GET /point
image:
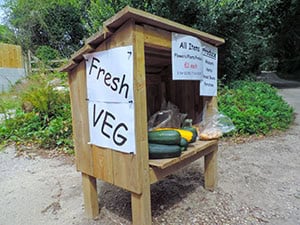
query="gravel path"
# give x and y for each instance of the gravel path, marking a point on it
(259, 183)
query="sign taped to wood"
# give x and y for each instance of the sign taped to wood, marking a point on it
(110, 96)
(194, 59)
(209, 83)
(186, 57)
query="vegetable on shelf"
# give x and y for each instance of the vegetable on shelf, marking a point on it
(169, 142)
(183, 144)
(187, 134)
(193, 130)
(162, 151)
(168, 137)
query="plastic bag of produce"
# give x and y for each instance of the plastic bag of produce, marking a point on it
(214, 126)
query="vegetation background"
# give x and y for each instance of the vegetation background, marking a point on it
(260, 35)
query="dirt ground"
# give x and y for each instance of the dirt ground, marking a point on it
(259, 183)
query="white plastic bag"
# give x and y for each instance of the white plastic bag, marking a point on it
(214, 126)
(168, 116)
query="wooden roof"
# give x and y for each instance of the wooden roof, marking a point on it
(140, 17)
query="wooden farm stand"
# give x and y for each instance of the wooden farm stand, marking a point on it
(150, 37)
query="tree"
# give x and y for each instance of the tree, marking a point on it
(6, 35)
(55, 23)
(99, 11)
(288, 40)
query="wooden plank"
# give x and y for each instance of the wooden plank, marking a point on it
(193, 149)
(158, 58)
(19, 56)
(2, 54)
(90, 196)
(157, 51)
(154, 93)
(96, 39)
(141, 207)
(125, 166)
(10, 56)
(78, 94)
(141, 203)
(78, 56)
(12, 59)
(102, 164)
(5, 56)
(158, 38)
(125, 171)
(210, 169)
(142, 17)
(211, 103)
(157, 173)
(68, 67)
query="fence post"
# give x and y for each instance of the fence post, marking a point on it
(29, 62)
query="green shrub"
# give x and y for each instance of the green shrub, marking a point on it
(58, 132)
(254, 107)
(46, 115)
(46, 53)
(45, 100)
(22, 127)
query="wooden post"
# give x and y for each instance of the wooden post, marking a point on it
(211, 104)
(29, 62)
(210, 169)
(83, 151)
(210, 160)
(141, 203)
(89, 185)
(141, 206)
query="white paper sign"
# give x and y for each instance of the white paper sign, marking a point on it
(111, 125)
(186, 57)
(109, 77)
(209, 83)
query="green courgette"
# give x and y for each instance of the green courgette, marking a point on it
(160, 151)
(168, 137)
(194, 131)
(183, 144)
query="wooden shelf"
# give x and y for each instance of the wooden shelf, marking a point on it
(193, 149)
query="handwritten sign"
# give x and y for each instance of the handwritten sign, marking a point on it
(208, 85)
(109, 77)
(186, 57)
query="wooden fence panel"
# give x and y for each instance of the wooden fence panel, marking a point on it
(10, 56)
(11, 65)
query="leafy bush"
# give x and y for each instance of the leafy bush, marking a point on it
(43, 116)
(254, 107)
(46, 53)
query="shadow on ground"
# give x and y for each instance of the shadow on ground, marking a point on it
(164, 194)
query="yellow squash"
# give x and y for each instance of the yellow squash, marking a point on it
(188, 135)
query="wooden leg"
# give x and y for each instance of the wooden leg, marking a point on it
(210, 170)
(141, 207)
(90, 196)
